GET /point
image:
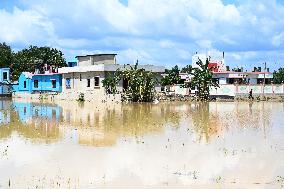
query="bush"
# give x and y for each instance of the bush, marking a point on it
(81, 97)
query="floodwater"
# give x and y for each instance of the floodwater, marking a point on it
(142, 146)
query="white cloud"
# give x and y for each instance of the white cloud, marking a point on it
(277, 40)
(24, 26)
(162, 30)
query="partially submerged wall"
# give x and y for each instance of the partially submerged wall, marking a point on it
(72, 96)
(231, 91)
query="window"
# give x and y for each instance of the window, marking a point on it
(68, 83)
(35, 83)
(88, 82)
(53, 83)
(216, 80)
(5, 75)
(97, 81)
(25, 84)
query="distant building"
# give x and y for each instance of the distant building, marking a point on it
(5, 86)
(216, 63)
(223, 75)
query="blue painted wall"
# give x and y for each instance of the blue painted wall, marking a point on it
(45, 83)
(21, 86)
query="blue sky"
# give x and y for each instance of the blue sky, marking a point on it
(160, 32)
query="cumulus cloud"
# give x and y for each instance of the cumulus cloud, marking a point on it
(156, 31)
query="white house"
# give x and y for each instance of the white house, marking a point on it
(88, 75)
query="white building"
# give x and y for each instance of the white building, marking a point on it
(88, 75)
(224, 75)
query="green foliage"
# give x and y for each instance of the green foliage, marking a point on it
(187, 69)
(202, 79)
(278, 76)
(27, 60)
(81, 97)
(110, 83)
(6, 55)
(172, 77)
(140, 83)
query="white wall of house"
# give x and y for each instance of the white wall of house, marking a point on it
(222, 80)
(84, 61)
(79, 81)
(253, 81)
(232, 90)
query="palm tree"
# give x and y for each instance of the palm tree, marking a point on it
(202, 79)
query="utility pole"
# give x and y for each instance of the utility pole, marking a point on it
(264, 77)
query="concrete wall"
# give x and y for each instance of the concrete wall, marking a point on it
(103, 59)
(20, 87)
(45, 83)
(78, 81)
(91, 96)
(222, 81)
(94, 60)
(84, 61)
(233, 90)
(78, 85)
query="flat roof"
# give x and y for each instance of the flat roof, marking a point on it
(232, 72)
(96, 55)
(108, 68)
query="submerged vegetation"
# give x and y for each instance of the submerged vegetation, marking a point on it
(202, 79)
(139, 83)
(172, 77)
(278, 76)
(81, 97)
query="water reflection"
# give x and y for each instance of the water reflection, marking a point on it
(104, 124)
(35, 121)
(172, 145)
(206, 123)
(101, 124)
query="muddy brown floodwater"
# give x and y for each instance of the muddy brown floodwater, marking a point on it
(141, 146)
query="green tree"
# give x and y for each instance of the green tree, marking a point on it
(278, 76)
(172, 77)
(202, 79)
(6, 55)
(111, 81)
(140, 83)
(27, 60)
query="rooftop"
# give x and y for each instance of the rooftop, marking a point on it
(96, 55)
(233, 72)
(110, 68)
